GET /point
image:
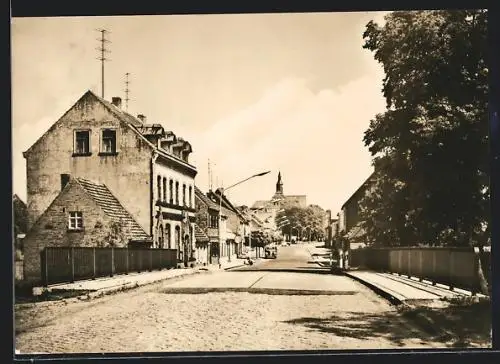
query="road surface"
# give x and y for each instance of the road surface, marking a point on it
(275, 305)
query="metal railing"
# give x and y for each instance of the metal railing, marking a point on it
(69, 264)
(455, 267)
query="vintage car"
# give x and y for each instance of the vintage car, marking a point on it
(271, 252)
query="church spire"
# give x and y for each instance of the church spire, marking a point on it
(279, 185)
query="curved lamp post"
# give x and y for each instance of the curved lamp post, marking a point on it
(222, 190)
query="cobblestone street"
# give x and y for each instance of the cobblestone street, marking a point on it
(148, 319)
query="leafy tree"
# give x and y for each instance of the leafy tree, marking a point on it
(312, 217)
(20, 219)
(430, 147)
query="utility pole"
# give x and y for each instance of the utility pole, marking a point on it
(127, 90)
(102, 57)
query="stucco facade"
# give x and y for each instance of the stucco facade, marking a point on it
(97, 140)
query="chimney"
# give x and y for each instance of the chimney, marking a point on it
(141, 118)
(117, 101)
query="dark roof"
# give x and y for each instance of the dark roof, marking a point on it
(363, 186)
(112, 208)
(212, 205)
(200, 235)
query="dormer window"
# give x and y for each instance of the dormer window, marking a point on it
(81, 143)
(108, 141)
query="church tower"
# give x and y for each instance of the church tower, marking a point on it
(279, 187)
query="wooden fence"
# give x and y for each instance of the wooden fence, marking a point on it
(455, 267)
(68, 264)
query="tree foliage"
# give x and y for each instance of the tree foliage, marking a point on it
(430, 147)
(299, 218)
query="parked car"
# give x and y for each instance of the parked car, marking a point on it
(271, 252)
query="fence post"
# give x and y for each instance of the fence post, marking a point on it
(93, 257)
(126, 261)
(72, 264)
(150, 259)
(45, 253)
(112, 261)
(421, 266)
(452, 261)
(408, 265)
(434, 273)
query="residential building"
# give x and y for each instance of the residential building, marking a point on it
(207, 229)
(235, 225)
(349, 216)
(145, 167)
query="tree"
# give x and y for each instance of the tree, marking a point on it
(311, 217)
(430, 147)
(20, 219)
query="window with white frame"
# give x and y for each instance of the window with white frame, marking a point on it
(75, 221)
(82, 142)
(108, 138)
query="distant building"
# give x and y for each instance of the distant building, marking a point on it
(266, 209)
(143, 166)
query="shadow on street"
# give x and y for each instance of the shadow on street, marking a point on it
(457, 326)
(318, 270)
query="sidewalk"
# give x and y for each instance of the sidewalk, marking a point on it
(401, 289)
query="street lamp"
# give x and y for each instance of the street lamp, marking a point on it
(222, 189)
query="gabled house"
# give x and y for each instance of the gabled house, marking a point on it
(207, 229)
(349, 221)
(143, 165)
(81, 215)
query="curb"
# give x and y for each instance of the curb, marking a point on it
(381, 292)
(101, 292)
(420, 319)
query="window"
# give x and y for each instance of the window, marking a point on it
(82, 142)
(190, 196)
(177, 193)
(214, 221)
(171, 191)
(164, 189)
(75, 220)
(183, 195)
(108, 141)
(158, 187)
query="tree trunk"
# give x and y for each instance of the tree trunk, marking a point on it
(480, 273)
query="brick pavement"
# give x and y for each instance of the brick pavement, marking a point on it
(145, 319)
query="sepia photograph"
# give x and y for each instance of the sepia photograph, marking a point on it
(251, 182)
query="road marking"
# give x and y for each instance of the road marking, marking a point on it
(258, 280)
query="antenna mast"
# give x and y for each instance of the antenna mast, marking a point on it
(209, 177)
(102, 56)
(127, 90)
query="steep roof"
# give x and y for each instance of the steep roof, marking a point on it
(212, 205)
(134, 123)
(200, 235)
(363, 186)
(113, 208)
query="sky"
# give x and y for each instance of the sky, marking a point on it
(252, 92)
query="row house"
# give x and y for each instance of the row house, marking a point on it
(207, 233)
(98, 163)
(236, 226)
